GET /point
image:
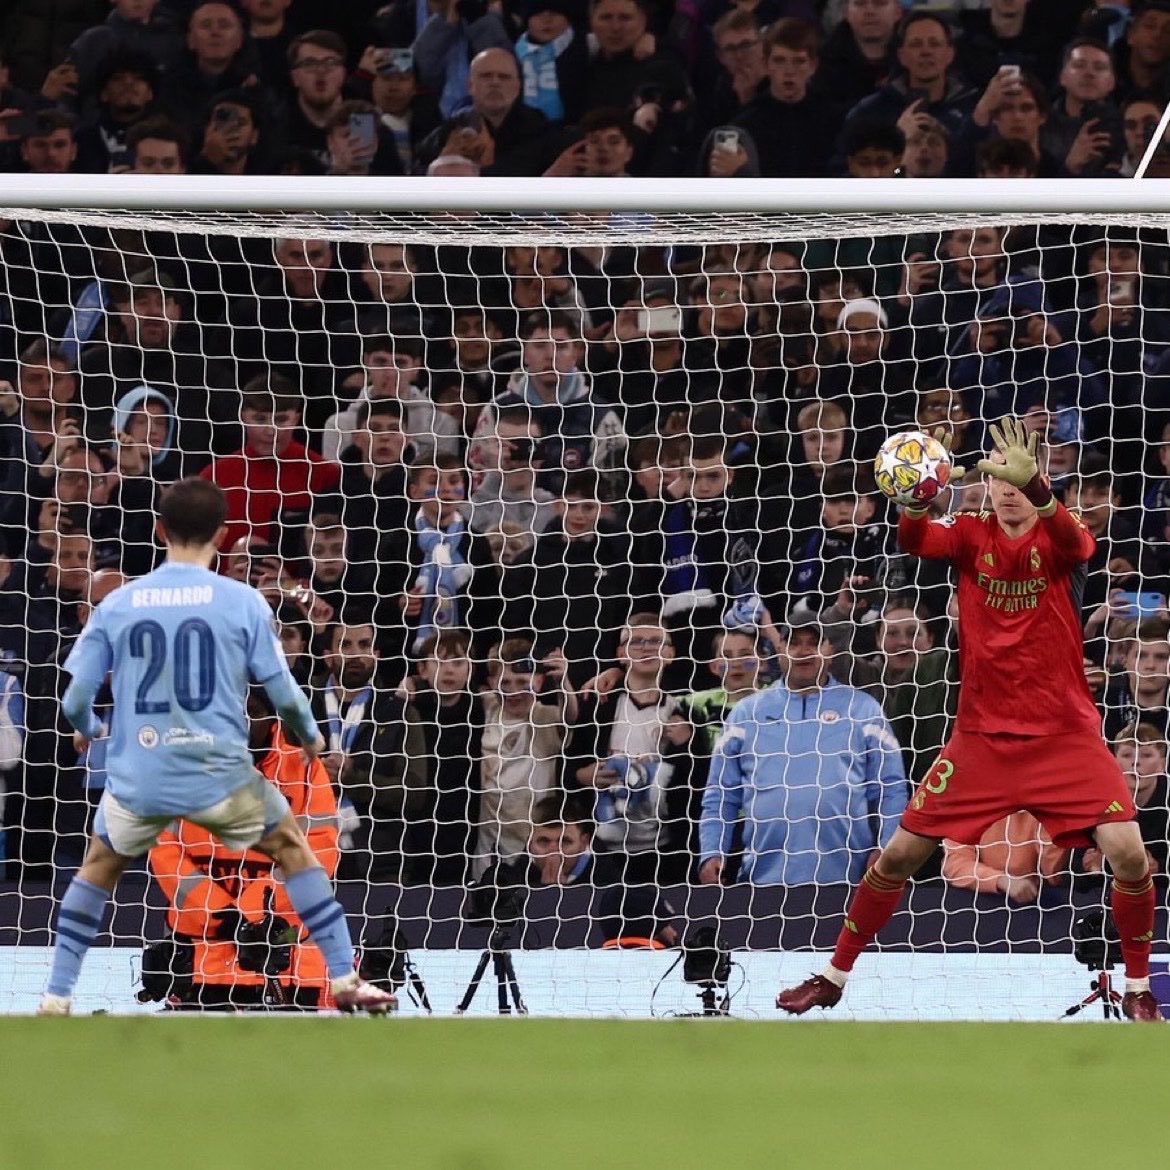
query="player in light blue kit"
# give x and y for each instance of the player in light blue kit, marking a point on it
(181, 646)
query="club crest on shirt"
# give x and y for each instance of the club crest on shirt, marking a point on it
(830, 716)
(147, 737)
(1034, 559)
(988, 559)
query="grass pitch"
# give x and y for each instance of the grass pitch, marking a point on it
(227, 1093)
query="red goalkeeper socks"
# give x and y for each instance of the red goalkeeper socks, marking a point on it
(1133, 911)
(872, 907)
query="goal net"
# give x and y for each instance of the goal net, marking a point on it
(540, 487)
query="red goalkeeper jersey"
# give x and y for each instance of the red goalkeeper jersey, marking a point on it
(1022, 664)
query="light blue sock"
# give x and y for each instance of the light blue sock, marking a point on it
(77, 926)
(312, 897)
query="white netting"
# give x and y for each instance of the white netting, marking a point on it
(637, 440)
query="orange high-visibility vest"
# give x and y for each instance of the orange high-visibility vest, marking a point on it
(200, 877)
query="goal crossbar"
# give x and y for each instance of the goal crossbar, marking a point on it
(575, 211)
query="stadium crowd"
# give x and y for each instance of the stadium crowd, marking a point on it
(777, 88)
(533, 519)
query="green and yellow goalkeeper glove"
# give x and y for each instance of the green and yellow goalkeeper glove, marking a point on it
(1018, 463)
(943, 436)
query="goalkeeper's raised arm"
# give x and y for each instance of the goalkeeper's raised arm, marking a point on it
(1020, 495)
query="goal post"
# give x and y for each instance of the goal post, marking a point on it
(542, 477)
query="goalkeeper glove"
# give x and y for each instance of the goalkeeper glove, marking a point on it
(1018, 463)
(943, 436)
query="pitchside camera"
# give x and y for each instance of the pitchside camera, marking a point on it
(387, 963)
(706, 958)
(706, 961)
(499, 896)
(1096, 943)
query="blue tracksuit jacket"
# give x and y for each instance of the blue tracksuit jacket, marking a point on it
(818, 780)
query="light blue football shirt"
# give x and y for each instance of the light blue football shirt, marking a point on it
(181, 645)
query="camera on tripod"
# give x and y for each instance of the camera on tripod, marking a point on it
(387, 964)
(498, 898)
(1096, 943)
(707, 963)
(706, 958)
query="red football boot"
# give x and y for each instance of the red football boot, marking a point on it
(1142, 1008)
(815, 992)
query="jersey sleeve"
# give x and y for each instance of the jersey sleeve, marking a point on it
(1072, 542)
(937, 539)
(92, 655)
(265, 658)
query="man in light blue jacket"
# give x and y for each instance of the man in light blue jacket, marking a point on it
(813, 769)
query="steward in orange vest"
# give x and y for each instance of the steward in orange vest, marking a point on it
(237, 940)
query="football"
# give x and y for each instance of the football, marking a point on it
(912, 467)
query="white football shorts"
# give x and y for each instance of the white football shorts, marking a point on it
(239, 820)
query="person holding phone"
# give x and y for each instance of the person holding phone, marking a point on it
(356, 143)
(729, 152)
(1084, 128)
(927, 87)
(1006, 32)
(406, 114)
(231, 137)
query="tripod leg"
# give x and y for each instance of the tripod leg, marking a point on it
(514, 984)
(1111, 997)
(499, 964)
(420, 991)
(473, 986)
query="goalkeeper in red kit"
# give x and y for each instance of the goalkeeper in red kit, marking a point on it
(1027, 734)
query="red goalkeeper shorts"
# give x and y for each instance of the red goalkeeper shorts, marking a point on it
(1069, 783)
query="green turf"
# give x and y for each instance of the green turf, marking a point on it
(571, 1095)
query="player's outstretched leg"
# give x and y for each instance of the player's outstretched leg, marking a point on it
(1132, 903)
(877, 897)
(312, 897)
(78, 920)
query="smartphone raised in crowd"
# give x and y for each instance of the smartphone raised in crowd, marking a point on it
(727, 140)
(363, 128)
(662, 319)
(396, 61)
(1143, 605)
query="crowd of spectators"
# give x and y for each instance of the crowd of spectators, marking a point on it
(537, 522)
(777, 88)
